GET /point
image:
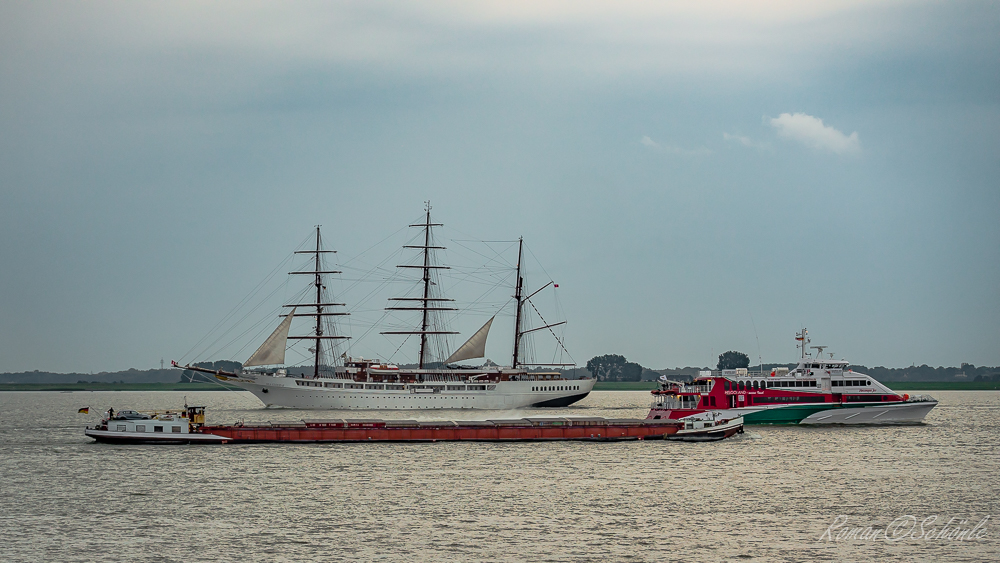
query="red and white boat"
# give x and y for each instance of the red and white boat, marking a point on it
(816, 391)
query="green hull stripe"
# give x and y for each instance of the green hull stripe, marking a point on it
(793, 414)
(785, 415)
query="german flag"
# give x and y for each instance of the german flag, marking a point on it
(84, 410)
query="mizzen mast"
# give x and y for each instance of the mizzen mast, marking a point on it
(426, 301)
(518, 298)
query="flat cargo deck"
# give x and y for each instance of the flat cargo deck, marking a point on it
(508, 430)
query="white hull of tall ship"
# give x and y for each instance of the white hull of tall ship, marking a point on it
(321, 393)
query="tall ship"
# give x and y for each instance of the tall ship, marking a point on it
(370, 383)
(817, 391)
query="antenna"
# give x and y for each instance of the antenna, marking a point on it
(760, 362)
(819, 351)
(802, 339)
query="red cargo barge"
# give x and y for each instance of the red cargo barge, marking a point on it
(188, 427)
(513, 430)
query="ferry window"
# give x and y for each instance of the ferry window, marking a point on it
(726, 385)
(157, 429)
(140, 428)
(121, 428)
(868, 382)
(175, 429)
(739, 386)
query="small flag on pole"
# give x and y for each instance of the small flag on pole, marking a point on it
(84, 410)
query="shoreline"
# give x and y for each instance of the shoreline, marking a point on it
(600, 386)
(116, 387)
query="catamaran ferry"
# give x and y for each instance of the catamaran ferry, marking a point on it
(373, 384)
(816, 391)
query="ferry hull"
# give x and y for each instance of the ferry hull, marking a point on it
(902, 413)
(821, 413)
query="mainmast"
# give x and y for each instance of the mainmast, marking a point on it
(426, 327)
(317, 272)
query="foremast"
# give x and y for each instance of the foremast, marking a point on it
(317, 272)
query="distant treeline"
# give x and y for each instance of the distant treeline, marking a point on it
(635, 372)
(966, 372)
(133, 375)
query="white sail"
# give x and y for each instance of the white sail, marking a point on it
(272, 351)
(475, 347)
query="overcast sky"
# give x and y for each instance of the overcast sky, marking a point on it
(697, 176)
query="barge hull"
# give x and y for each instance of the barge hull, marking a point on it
(443, 433)
(113, 437)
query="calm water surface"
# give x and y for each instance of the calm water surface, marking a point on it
(769, 495)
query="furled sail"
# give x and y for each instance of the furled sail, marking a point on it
(475, 347)
(272, 351)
